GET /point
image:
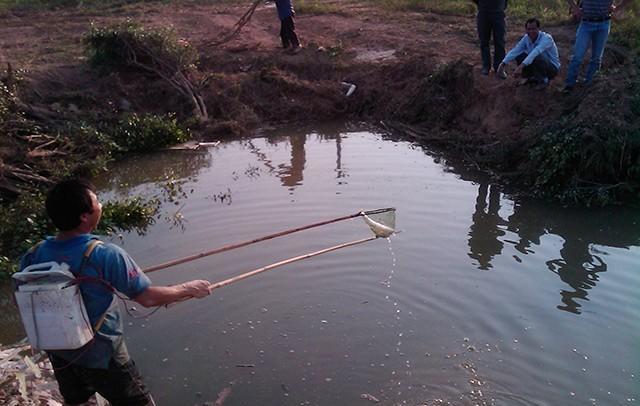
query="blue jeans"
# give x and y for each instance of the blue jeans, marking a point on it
(595, 33)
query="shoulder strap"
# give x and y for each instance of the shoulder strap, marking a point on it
(31, 251)
(85, 260)
(87, 253)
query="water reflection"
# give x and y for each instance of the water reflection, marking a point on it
(292, 175)
(158, 167)
(484, 233)
(579, 264)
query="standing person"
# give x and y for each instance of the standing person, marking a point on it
(536, 55)
(287, 26)
(490, 20)
(593, 29)
(103, 364)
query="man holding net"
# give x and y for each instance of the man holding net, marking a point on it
(104, 271)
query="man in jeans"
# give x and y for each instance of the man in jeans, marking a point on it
(595, 23)
(536, 55)
(490, 21)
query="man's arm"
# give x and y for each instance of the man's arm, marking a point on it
(162, 295)
(545, 43)
(515, 51)
(574, 9)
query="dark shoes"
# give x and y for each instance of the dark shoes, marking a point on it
(296, 49)
(485, 71)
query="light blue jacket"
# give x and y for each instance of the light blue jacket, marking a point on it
(544, 46)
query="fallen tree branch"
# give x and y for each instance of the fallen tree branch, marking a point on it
(237, 27)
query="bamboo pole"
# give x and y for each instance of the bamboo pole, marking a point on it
(287, 261)
(255, 240)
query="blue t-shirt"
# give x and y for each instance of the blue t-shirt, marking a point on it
(285, 8)
(109, 263)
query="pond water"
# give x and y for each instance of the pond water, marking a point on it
(480, 300)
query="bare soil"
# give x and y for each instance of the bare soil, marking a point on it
(390, 56)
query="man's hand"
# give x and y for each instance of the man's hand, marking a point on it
(197, 288)
(576, 12)
(502, 74)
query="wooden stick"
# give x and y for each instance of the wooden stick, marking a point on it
(287, 261)
(255, 240)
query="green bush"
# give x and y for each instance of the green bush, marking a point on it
(128, 45)
(134, 213)
(149, 132)
(595, 166)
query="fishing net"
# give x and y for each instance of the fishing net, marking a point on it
(382, 221)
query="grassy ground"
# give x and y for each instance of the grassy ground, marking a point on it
(544, 9)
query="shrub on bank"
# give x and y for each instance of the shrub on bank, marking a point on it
(592, 166)
(136, 133)
(128, 45)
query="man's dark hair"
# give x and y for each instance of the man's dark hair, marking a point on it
(67, 200)
(532, 20)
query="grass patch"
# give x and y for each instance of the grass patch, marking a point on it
(545, 10)
(315, 7)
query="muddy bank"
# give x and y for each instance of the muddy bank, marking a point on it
(416, 73)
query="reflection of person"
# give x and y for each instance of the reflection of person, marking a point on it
(287, 26)
(578, 268)
(593, 29)
(484, 231)
(536, 55)
(490, 22)
(294, 174)
(102, 365)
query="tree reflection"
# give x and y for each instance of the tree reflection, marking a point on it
(579, 265)
(156, 167)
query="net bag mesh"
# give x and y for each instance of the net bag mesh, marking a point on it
(382, 222)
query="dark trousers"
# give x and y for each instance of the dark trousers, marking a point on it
(539, 69)
(121, 384)
(491, 24)
(288, 33)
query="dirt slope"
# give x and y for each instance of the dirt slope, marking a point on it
(390, 56)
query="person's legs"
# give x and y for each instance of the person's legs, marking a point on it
(283, 35)
(499, 39)
(121, 384)
(484, 35)
(599, 37)
(537, 70)
(73, 387)
(290, 31)
(583, 38)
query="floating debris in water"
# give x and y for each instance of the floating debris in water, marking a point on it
(370, 398)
